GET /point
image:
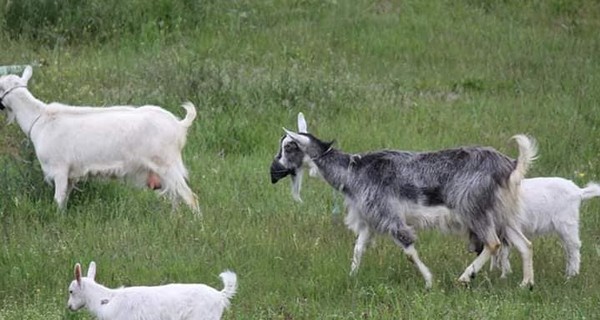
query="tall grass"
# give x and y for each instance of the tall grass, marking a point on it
(372, 74)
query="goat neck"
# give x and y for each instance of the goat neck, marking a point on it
(335, 166)
(26, 108)
(96, 295)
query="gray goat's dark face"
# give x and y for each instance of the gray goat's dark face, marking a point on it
(310, 145)
(288, 160)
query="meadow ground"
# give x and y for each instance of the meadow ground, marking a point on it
(415, 75)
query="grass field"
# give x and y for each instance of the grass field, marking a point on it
(414, 75)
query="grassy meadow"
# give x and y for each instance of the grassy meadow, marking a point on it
(404, 74)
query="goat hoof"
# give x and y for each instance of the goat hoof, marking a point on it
(527, 285)
(463, 284)
(428, 285)
(464, 279)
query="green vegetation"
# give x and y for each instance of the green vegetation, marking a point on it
(372, 74)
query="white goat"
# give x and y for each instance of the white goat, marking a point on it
(551, 206)
(167, 302)
(142, 144)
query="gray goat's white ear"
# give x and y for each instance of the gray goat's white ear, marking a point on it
(302, 123)
(27, 74)
(91, 273)
(302, 140)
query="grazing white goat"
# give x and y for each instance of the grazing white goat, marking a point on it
(167, 302)
(551, 206)
(142, 144)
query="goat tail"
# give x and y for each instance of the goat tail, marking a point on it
(591, 190)
(229, 285)
(190, 114)
(527, 154)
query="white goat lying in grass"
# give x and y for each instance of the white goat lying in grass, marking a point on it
(551, 205)
(167, 302)
(141, 144)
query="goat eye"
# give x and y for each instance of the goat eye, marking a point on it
(291, 147)
(70, 291)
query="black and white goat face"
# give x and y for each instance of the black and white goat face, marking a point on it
(288, 161)
(291, 160)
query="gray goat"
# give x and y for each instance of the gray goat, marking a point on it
(477, 187)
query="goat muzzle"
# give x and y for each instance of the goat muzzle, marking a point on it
(2, 106)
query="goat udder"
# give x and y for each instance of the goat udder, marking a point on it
(153, 181)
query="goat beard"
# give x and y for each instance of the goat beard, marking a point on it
(278, 171)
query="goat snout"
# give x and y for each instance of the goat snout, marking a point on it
(279, 171)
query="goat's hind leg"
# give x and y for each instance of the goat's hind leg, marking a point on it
(519, 241)
(569, 235)
(501, 260)
(483, 229)
(174, 183)
(476, 265)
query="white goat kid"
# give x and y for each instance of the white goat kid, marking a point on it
(141, 144)
(551, 206)
(167, 302)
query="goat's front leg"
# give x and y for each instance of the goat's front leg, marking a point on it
(61, 189)
(411, 252)
(363, 238)
(404, 236)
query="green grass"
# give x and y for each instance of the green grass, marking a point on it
(417, 75)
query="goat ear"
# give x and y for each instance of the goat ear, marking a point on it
(27, 74)
(302, 140)
(78, 273)
(302, 123)
(330, 143)
(91, 273)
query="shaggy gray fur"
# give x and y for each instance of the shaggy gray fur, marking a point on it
(464, 180)
(477, 185)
